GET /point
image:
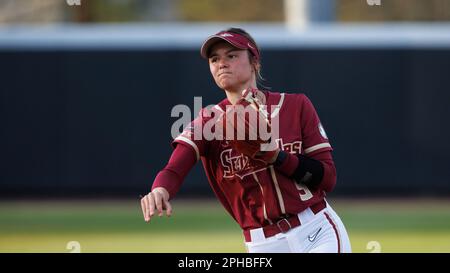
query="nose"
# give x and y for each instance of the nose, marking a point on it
(223, 63)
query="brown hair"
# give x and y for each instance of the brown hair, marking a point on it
(240, 31)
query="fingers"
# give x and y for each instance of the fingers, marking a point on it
(158, 201)
(148, 206)
(144, 208)
(155, 201)
(168, 207)
(162, 203)
(151, 205)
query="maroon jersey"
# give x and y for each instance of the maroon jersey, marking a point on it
(256, 194)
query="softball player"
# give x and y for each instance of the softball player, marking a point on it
(277, 196)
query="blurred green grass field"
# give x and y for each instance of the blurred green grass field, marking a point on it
(413, 225)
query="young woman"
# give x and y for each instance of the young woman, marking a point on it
(277, 199)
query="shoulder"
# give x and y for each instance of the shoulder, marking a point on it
(296, 96)
(287, 94)
(301, 100)
(289, 97)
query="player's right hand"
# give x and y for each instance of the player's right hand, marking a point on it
(156, 200)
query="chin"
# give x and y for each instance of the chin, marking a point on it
(225, 85)
(228, 85)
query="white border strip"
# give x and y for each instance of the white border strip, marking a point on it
(317, 147)
(277, 108)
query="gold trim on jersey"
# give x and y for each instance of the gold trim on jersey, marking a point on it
(277, 189)
(264, 203)
(317, 147)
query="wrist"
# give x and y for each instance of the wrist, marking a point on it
(274, 157)
(279, 157)
(286, 163)
(162, 191)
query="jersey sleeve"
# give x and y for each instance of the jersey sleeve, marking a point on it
(192, 135)
(172, 176)
(315, 139)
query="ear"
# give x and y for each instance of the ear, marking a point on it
(255, 63)
(257, 66)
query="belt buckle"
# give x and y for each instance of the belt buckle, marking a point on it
(282, 221)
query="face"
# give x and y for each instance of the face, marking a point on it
(231, 67)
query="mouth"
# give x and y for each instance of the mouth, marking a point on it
(223, 73)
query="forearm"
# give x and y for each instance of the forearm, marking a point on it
(172, 175)
(168, 180)
(316, 172)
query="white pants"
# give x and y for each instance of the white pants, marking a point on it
(323, 232)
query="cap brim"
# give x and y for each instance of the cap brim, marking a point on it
(211, 41)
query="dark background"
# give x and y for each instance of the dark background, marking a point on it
(97, 123)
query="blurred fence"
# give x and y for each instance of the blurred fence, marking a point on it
(86, 110)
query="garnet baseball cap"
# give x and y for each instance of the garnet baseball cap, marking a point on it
(236, 40)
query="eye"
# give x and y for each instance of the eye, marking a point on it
(213, 60)
(232, 56)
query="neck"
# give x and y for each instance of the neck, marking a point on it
(233, 96)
